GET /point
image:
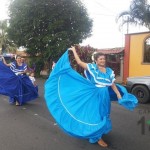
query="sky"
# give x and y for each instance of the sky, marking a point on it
(3, 9)
(105, 32)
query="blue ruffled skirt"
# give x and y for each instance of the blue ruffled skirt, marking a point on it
(80, 108)
(18, 88)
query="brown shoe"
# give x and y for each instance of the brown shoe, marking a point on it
(102, 143)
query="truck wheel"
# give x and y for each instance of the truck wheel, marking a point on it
(142, 93)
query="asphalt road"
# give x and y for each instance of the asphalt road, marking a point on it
(31, 127)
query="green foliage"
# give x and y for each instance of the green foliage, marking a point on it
(6, 44)
(138, 13)
(48, 27)
(38, 62)
(85, 53)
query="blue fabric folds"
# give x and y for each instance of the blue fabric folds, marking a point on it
(128, 101)
(79, 107)
(18, 88)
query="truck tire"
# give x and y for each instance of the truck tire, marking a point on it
(142, 93)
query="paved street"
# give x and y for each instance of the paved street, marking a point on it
(31, 127)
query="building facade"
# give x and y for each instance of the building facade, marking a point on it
(136, 55)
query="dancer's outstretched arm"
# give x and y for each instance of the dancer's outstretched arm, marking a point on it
(77, 58)
(4, 61)
(116, 91)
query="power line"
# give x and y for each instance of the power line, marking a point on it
(97, 3)
(106, 15)
(103, 6)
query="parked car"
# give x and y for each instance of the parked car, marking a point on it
(140, 87)
(8, 57)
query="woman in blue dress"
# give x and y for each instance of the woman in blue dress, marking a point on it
(102, 77)
(17, 82)
(80, 106)
(18, 67)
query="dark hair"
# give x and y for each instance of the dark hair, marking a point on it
(16, 61)
(18, 56)
(97, 55)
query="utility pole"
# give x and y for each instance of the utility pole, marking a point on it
(127, 24)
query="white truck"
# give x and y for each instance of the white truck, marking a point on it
(140, 87)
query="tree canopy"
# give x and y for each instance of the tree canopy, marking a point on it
(48, 27)
(6, 44)
(138, 13)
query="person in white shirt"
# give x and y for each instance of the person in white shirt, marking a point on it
(32, 78)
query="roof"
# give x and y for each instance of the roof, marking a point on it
(111, 50)
(147, 32)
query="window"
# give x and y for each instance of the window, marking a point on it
(146, 54)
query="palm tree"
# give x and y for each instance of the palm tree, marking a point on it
(5, 44)
(138, 13)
